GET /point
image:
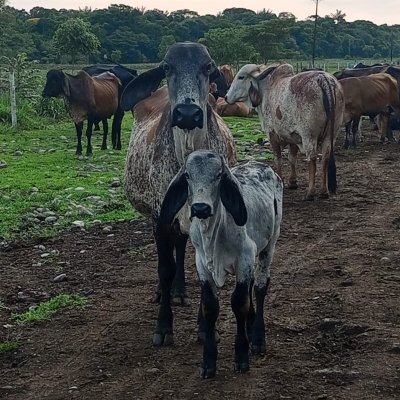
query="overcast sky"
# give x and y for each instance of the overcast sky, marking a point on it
(377, 11)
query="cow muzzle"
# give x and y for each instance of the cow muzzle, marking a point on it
(200, 210)
(187, 116)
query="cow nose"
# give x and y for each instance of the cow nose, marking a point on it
(187, 116)
(200, 210)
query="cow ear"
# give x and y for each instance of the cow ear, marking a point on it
(232, 198)
(141, 87)
(65, 86)
(174, 199)
(265, 73)
(215, 72)
(255, 95)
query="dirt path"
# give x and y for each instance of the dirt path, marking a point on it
(333, 312)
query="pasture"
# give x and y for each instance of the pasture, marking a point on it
(333, 319)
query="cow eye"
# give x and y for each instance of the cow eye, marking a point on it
(240, 78)
(186, 175)
(208, 67)
(166, 68)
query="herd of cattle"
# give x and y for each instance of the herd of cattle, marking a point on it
(178, 167)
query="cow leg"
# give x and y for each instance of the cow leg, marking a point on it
(210, 311)
(96, 126)
(164, 237)
(179, 295)
(251, 315)
(105, 133)
(79, 129)
(383, 125)
(201, 324)
(325, 159)
(293, 150)
(347, 141)
(89, 136)
(116, 129)
(240, 302)
(312, 169)
(354, 129)
(277, 150)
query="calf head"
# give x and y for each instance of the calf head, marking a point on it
(56, 84)
(245, 85)
(189, 70)
(203, 181)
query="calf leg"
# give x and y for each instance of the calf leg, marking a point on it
(79, 129)
(293, 150)
(164, 237)
(240, 305)
(89, 136)
(210, 311)
(277, 150)
(179, 295)
(354, 129)
(312, 168)
(105, 133)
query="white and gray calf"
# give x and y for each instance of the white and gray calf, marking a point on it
(234, 217)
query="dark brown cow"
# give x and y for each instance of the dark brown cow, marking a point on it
(371, 94)
(87, 98)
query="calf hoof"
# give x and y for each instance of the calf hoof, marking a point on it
(207, 371)
(292, 185)
(242, 367)
(163, 339)
(324, 195)
(258, 348)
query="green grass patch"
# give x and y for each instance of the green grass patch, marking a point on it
(7, 346)
(44, 310)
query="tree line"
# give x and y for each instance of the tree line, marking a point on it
(134, 35)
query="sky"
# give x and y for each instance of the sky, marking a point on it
(379, 12)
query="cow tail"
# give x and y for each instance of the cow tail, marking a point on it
(329, 100)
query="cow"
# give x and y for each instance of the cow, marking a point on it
(92, 98)
(238, 109)
(159, 146)
(371, 94)
(234, 217)
(125, 75)
(227, 71)
(302, 110)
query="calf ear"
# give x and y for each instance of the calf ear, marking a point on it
(174, 199)
(141, 87)
(232, 198)
(255, 95)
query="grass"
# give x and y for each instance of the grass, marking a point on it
(44, 310)
(7, 346)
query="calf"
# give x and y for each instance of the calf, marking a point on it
(235, 217)
(302, 111)
(371, 94)
(92, 98)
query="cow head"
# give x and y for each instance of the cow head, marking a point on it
(56, 84)
(203, 181)
(189, 70)
(245, 85)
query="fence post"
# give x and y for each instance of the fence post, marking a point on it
(13, 99)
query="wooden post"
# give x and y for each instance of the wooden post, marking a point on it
(13, 99)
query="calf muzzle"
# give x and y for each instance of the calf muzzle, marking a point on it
(187, 116)
(200, 210)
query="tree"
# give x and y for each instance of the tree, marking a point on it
(338, 16)
(74, 37)
(166, 41)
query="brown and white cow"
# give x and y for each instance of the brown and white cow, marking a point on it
(164, 134)
(302, 111)
(91, 98)
(238, 109)
(371, 94)
(227, 71)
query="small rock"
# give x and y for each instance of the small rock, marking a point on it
(49, 213)
(51, 150)
(3, 164)
(329, 325)
(97, 222)
(79, 189)
(7, 387)
(385, 260)
(18, 153)
(38, 264)
(60, 278)
(85, 211)
(63, 137)
(111, 235)
(42, 151)
(79, 224)
(152, 370)
(347, 282)
(34, 189)
(50, 219)
(116, 183)
(88, 292)
(44, 255)
(73, 388)
(41, 247)
(107, 229)
(82, 252)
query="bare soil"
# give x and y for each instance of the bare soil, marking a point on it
(333, 310)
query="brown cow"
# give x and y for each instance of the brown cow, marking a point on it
(302, 111)
(227, 72)
(371, 94)
(92, 98)
(238, 109)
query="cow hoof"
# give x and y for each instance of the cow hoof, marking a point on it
(78, 153)
(104, 147)
(207, 371)
(242, 367)
(163, 339)
(201, 336)
(88, 153)
(180, 300)
(292, 186)
(119, 147)
(324, 195)
(258, 349)
(309, 197)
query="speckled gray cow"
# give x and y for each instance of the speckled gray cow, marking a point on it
(302, 111)
(162, 138)
(234, 217)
